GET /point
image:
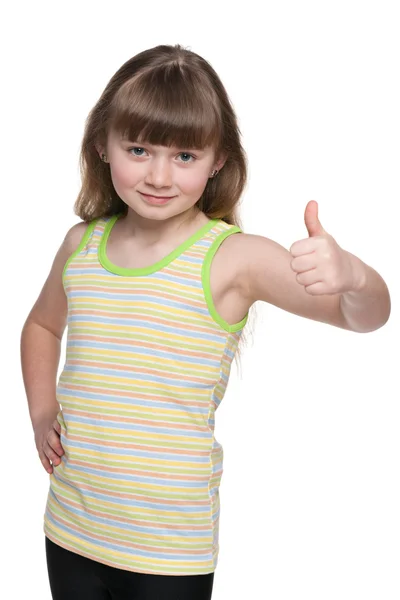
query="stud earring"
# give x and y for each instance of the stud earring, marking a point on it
(104, 158)
(213, 174)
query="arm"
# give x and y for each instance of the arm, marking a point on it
(368, 306)
(41, 339)
(267, 274)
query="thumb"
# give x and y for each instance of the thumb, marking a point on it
(311, 220)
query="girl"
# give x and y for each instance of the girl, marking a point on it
(156, 291)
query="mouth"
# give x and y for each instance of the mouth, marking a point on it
(156, 199)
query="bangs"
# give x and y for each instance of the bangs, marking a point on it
(167, 106)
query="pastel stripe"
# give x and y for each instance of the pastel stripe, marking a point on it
(147, 365)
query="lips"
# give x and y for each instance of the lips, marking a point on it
(156, 199)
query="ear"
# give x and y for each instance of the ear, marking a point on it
(221, 161)
(99, 149)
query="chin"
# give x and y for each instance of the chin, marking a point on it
(158, 213)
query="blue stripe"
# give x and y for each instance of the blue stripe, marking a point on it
(147, 429)
(138, 298)
(143, 324)
(138, 478)
(142, 376)
(160, 275)
(193, 410)
(170, 355)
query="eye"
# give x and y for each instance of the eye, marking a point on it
(187, 154)
(135, 148)
(139, 148)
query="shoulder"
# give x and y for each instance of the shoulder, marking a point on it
(246, 244)
(245, 253)
(75, 235)
(236, 254)
(257, 252)
(72, 240)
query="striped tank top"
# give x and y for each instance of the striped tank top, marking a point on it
(147, 364)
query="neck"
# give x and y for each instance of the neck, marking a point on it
(151, 231)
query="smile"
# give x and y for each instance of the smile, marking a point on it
(156, 199)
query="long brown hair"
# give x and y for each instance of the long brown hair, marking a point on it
(169, 96)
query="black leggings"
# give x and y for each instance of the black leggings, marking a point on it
(75, 577)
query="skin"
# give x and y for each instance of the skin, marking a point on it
(160, 171)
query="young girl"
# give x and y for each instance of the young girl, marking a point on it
(156, 284)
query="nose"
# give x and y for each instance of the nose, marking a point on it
(159, 173)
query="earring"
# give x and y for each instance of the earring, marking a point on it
(104, 158)
(213, 174)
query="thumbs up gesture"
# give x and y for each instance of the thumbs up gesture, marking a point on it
(322, 266)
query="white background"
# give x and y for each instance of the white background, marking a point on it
(310, 493)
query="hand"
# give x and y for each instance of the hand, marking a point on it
(47, 440)
(322, 266)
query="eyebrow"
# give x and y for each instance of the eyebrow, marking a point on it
(128, 141)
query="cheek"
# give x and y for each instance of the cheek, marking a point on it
(191, 181)
(123, 175)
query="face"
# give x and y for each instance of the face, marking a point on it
(179, 174)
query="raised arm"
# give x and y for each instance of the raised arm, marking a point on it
(316, 278)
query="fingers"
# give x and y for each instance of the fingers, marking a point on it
(45, 461)
(53, 441)
(51, 449)
(53, 438)
(51, 454)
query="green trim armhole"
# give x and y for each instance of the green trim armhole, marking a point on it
(81, 245)
(205, 278)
